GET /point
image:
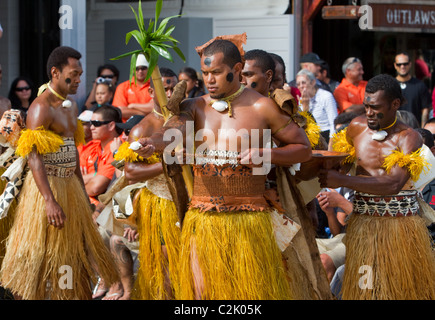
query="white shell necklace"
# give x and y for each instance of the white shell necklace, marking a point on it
(66, 103)
(225, 103)
(382, 134)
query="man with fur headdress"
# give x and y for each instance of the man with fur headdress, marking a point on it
(229, 250)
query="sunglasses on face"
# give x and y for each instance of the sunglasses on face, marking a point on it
(98, 123)
(19, 89)
(107, 76)
(141, 68)
(402, 64)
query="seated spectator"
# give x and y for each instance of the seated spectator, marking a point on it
(105, 73)
(350, 92)
(134, 97)
(21, 94)
(320, 103)
(195, 86)
(103, 95)
(88, 152)
(103, 127)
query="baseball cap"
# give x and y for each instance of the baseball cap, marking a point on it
(130, 123)
(311, 57)
(86, 116)
(141, 61)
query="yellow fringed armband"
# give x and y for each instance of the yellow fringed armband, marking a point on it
(415, 163)
(128, 155)
(312, 129)
(125, 153)
(45, 141)
(340, 144)
(79, 135)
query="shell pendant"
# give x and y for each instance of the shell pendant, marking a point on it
(379, 135)
(220, 105)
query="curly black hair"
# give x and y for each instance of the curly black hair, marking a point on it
(388, 84)
(59, 58)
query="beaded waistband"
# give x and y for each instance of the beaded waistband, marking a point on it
(403, 204)
(217, 157)
(228, 188)
(63, 162)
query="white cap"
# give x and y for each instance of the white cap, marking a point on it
(86, 116)
(141, 61)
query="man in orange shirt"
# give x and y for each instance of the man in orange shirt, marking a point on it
(134, 99)
(350, 92)
(88, 152)
(98, 173)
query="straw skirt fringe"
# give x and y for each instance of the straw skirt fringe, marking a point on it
(237, 255)
(7, 222)
(43, 262)
(158, 272)
(388, 258)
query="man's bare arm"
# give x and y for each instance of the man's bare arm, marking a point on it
(143, 108)
(382, 184)
(140, 172)
(294, 145)
(40, 116)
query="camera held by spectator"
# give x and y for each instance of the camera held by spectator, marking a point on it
(103, 80)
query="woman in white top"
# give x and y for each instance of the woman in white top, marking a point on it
(320, 103)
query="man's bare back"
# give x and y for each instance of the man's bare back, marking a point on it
(146, 127)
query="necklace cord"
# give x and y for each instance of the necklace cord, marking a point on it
(229, 99)
(390, 125)
(55, 93)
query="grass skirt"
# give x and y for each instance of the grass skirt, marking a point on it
(394, 252)
(43, 262)
(7, 222)
(156, 222)
(237, 254)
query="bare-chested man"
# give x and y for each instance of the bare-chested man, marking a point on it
(156, 216)
(53, 232)
(388, 250)
(228, 247)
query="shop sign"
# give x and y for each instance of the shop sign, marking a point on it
(403, 17)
